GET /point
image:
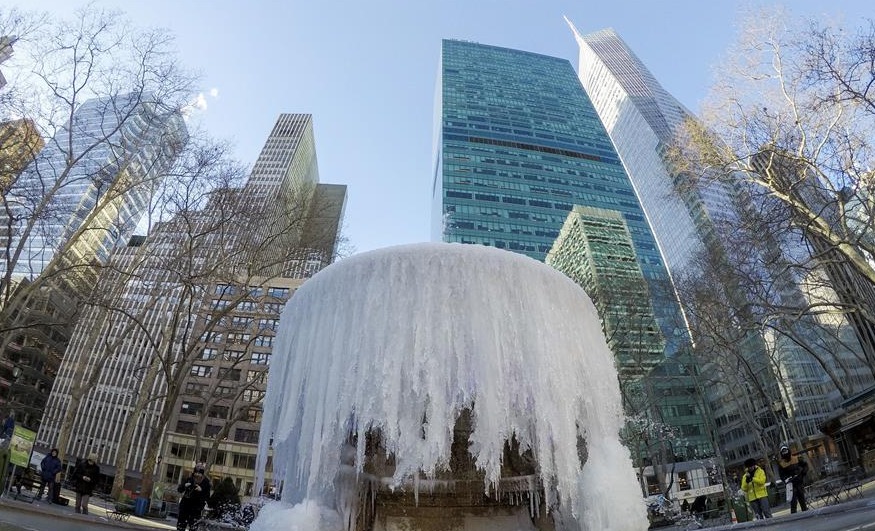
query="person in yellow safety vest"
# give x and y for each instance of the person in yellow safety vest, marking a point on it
(753, 483)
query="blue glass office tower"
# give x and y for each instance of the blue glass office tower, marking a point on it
(519, 143)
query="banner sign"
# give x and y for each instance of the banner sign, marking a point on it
(20, 446)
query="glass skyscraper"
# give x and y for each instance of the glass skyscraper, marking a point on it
(519, 144)
(642, 119)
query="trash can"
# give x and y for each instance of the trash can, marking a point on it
(742, 510)
(777, 494)
(141, 506)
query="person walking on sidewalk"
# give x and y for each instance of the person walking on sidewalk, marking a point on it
(50, 467)
(792, 471)
(195, 491)
(84, 479)
(753, 483)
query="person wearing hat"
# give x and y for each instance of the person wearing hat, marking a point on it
(195, 491)
(792, 471)
(84, 479)
(50, 467)
(753, 483)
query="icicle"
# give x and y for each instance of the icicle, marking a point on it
(402, 340)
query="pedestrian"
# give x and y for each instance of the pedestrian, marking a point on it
(50, 467)
(195, 491)
(225, 499)
(84, 479)
(792, 471)
(753, 483)
(8, 427)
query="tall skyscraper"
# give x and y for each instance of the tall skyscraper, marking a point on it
(519, 145)
(595, 250)
(251, 248)
(87, 190)
(642, 119)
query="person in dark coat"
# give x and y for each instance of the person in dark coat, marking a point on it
(84, 479)
(225, 499)
(8, 427)
(792, 471)
(50, 467)
(195, 491)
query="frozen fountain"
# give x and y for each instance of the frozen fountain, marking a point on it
(445, 386)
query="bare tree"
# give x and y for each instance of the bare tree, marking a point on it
(106, 98)
(791, 121)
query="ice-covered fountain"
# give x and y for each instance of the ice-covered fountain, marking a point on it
(445, 386)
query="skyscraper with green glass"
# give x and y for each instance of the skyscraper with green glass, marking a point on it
(518, 144)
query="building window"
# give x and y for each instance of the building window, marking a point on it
(264, 341)
(653, 486)
(268, 324)
(252, 395)
(273, 307)
(195, 389)
(229, 374)
(241, 322)
(173, 474)
(260, 358)
(191, 408)
(253, 415)
(211, 431)
(247, 306)
(218, 412)
(201, 370)
(225, 289)
(683, 481)
(234, 355)
(209, 354)
(279, 293)
(256, 291)
(246, 436)
(244, 460)
(212, 337)
(255, 376)
(236, 337)
(185, 427)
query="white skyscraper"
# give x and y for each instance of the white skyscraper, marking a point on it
(642, 119)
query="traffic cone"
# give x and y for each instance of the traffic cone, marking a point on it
(733, 518)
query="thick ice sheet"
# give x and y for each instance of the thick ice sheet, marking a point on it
(391, 337)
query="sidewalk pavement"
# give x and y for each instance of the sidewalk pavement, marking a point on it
(815, 508)
(97, 512)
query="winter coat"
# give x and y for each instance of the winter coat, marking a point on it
(794, 468)
(49, 466)
(83, 470)
(192, 499)
(755, 488)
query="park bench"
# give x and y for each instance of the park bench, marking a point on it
(118, 510)
(853, 485)
(827, 490)
(27, 481)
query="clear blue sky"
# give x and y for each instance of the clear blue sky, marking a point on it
(366, 70)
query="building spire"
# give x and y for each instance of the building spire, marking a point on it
(576, 33)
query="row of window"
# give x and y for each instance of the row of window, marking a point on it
(256, 358)
(248, 306)
(240, 434)
(252, 291)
